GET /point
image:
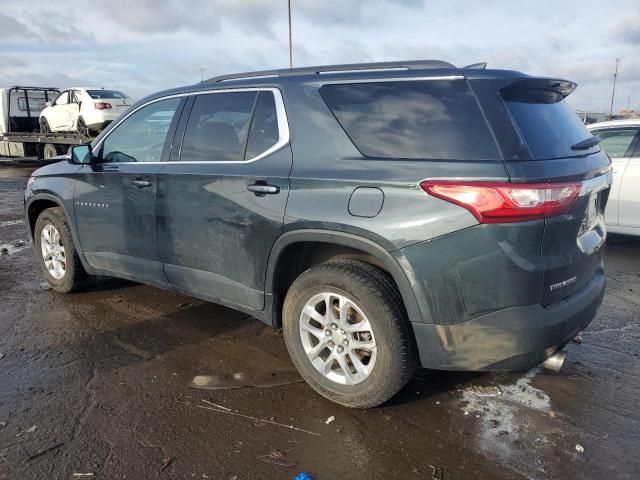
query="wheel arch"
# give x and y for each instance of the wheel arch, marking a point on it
(39, 203)
(327, 245)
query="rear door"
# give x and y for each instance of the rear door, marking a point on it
(551, 145)
(221, 198)
(619, 143)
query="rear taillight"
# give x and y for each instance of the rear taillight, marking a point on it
(497, 202)
(102, 105)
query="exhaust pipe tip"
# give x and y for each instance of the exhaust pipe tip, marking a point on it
(555, 361)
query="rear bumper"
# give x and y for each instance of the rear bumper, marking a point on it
(514, 338)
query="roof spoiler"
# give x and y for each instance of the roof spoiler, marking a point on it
(563, 88)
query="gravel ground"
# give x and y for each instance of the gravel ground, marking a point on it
(101, 383)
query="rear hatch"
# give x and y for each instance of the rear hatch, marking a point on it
(561, 150)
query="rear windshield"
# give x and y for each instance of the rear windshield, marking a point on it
(100, 94)
(546, 122)
(429, 119)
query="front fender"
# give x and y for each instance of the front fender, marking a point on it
(51, 198)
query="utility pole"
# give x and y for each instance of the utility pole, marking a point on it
(613, 93)
(202, 70)
(290, 43)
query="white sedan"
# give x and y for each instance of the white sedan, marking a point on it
(621, 140)
(83, 110)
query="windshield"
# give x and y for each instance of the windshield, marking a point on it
(101, 94)
(547, 123)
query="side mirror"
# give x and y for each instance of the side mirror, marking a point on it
(48, 104)
(81, 154)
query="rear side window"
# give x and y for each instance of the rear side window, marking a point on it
(218, 127)
(547, 123)
(264, 127)
(616, 141)
(230, 127)
(432, 119)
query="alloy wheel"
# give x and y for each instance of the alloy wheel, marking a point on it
(338, 338)
(53, 252)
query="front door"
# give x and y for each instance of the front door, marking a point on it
(222, 197)
(115, 197)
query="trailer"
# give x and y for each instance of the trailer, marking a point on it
(20, 135)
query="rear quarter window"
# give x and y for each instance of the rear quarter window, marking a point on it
(422, 119)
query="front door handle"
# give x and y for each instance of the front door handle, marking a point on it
(141, 183)
(263, 189)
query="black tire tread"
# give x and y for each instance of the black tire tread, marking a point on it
(381, 286)
(76, 277)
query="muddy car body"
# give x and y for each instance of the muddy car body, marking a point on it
(383, 215)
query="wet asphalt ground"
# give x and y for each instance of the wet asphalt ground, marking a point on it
(98, 384)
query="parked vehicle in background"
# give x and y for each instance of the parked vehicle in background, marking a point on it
(83, 110)
(20, 136)
(621, 140)
(384, 216)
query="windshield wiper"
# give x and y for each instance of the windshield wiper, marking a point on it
(586, 144)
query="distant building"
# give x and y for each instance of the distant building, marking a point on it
(592, 117)
(624, 114)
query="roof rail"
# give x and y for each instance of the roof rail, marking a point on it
(348, 67)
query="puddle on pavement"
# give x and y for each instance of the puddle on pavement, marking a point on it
(503, 413)
(12, 247)
(243, 379)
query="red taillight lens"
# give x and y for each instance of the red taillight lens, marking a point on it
(493, 202)
(102, 105)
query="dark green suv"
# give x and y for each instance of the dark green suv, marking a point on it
(385, 216)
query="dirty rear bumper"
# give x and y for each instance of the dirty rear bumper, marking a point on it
(515, 338)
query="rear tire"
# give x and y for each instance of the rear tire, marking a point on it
(44, 126)
(49, 151)
(378, 356)
(56, 252)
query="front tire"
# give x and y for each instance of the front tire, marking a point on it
(57, 253)
(347, 333)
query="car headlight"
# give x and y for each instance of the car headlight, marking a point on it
(30, 181)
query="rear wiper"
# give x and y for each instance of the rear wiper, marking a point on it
(586, 144)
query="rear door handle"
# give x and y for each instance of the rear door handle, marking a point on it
(263, 189)
(141, 183)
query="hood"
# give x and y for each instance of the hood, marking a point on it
(57, 166)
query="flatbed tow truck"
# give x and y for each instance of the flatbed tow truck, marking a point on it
(20, 109)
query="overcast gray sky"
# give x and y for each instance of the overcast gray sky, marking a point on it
(143, 46)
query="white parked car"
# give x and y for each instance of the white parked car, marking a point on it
(83, 110)
(621, 140)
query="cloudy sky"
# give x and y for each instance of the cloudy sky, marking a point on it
(141, 46)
